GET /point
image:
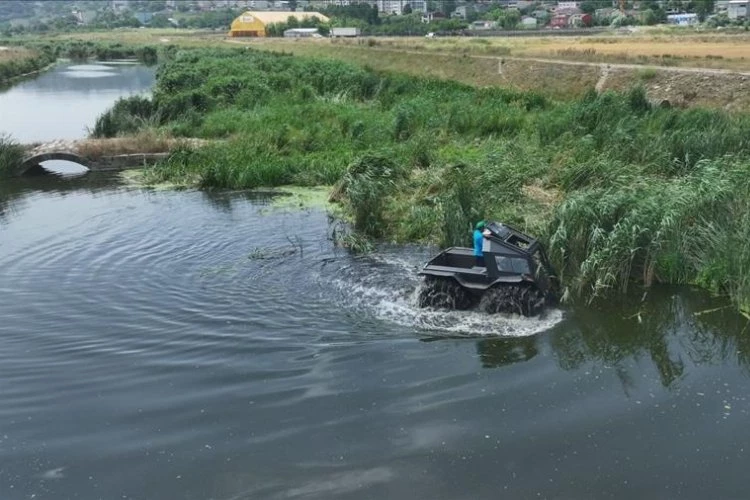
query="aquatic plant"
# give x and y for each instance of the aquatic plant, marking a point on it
(11, 155)
(128, 115)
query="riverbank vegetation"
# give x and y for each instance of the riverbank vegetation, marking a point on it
(11, 155)
(619, 190)
(42, 53)
(17, 61)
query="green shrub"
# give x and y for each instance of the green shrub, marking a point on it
(11, 155)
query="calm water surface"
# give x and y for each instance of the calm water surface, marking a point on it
(190, 345)
(63, 102)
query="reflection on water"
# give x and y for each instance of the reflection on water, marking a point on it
(675, 329)
(79, 73)
(14, 192)
(494, 353)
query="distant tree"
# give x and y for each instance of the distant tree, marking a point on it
(510, 19)
(160, 21)
(703, 8)
(649, 18)
(588, 7)
(448, 25)
(448, 6)
(291, 22)
(525, 11)
(345, 13)
(374, 17)
(675, 5)
(406, 9)
(65, 22)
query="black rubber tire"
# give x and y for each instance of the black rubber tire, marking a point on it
(525, 300)
(443, 293)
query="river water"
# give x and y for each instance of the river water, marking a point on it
(194, 345)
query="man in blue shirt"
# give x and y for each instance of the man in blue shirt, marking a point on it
(478, 240)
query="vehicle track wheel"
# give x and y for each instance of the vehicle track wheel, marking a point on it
(513, 299)
(443, 293)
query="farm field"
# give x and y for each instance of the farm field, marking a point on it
(719, 51)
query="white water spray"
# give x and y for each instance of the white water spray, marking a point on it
(386, 287)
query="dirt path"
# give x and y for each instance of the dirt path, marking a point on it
(670, 69)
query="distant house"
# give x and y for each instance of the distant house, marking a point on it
(397, 6)
(568, 5)
(482, 25)
(84, 16)
(682, 19)
(528, 22)
(521, 4)
(737, 9)
(429, 17)
(120, 5)
(462, 11)
(260, 5)
(567, 11)
(580, 20)
(559, 21)
(721, 6)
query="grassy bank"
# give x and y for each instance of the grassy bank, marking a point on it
(17, 61)
(11, 154)
(620, 192)
(23, 57)
(46, 51)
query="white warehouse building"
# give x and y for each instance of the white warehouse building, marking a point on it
(737, 9)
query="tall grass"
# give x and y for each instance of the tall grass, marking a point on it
(642, 194)
(11, 155)
(24, 62)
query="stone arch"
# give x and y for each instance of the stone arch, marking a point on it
(33, 161)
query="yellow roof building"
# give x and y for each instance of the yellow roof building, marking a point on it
(254, 23)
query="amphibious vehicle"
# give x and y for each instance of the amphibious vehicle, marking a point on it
(517, 277)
